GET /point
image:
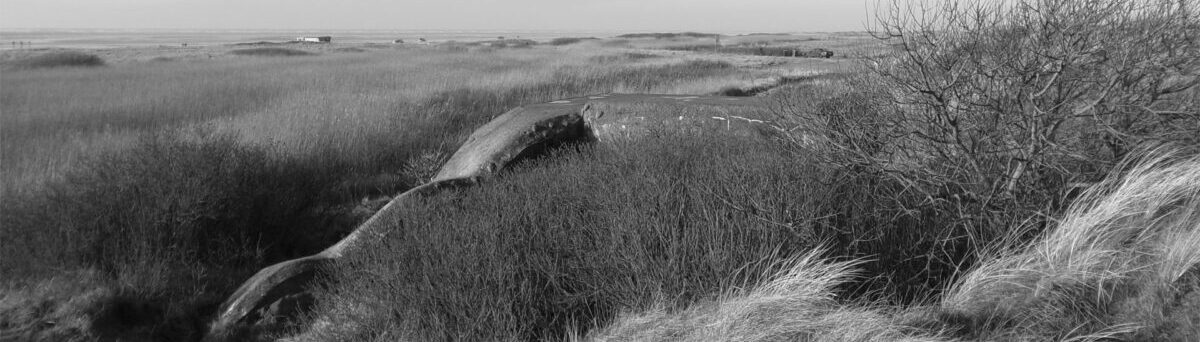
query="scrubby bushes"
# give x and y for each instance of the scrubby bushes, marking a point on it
(1121, 265)
(271, 52)
(169, 226)
(962, 147)
(570, 240)
(166, 227)
(59, 59)
(179, 204)
(943, 156)
(568, 40)
(1035, 95)
(514, 43)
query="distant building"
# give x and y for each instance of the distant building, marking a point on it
(320, 39)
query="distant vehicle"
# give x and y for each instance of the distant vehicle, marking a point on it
(398, 41)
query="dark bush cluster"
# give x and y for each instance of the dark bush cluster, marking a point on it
(173, 201)
(59, 59)
(167, 228)
(568, 40)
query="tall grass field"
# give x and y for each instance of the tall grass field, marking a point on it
(937, 179)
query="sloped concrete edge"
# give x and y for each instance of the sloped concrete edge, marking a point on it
(488, 150)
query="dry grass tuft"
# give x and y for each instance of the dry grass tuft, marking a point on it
(1121, 263)
(798, 304)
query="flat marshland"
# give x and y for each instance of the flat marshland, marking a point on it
(923, 193)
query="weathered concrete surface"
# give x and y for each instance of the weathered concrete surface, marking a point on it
(284, 289)
(506, 137)
(290, 283)
(634, 116)
(282, 284)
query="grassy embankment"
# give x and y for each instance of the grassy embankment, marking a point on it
(137, 195)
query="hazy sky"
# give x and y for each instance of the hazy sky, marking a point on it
(608, 15)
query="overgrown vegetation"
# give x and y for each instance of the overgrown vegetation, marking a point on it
(990, 118)
(938, 196)
(572, 239)
(569, 40)
(161, 231)
(1121, 265)
(59, 59)
(169, 225)
(942, 158)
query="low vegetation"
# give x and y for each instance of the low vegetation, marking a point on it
(170, 223)
(669, 35)
(1119, 266)
(576, 237)
(272, 52)
(779, 51)
(58, 59)
(981, 181)
(569, 40)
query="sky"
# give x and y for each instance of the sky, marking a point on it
(725, 16)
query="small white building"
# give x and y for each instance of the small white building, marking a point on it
(319, 39)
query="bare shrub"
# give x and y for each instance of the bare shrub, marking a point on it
(987, 118)
(1015, 98)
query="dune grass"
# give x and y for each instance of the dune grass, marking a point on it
(1120, 265)
(799, 302)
